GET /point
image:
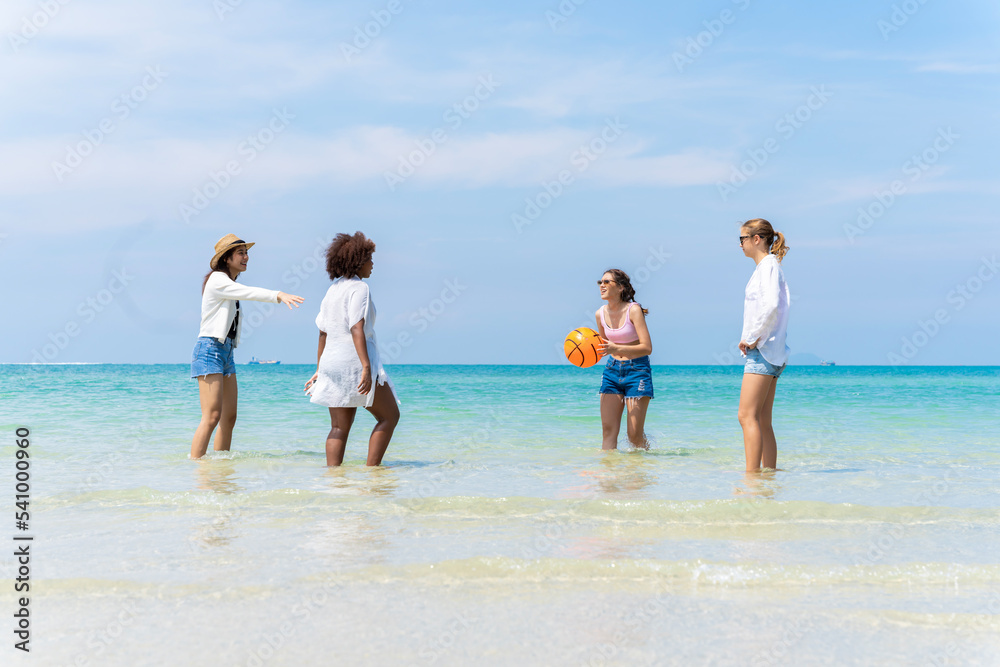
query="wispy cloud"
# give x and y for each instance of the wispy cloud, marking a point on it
(960, 68)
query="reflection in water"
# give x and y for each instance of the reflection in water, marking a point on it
(218, 475)
(624, 474)
(751, 541)
(377, 481)
(761, 485)
(355, 535)
(621, 475)
(218, 532)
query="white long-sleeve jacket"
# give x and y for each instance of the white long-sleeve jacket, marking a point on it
(765, 311)
(218, 305)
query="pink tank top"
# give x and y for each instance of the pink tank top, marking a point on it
(625, 333)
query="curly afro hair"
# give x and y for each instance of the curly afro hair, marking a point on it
(347, 254)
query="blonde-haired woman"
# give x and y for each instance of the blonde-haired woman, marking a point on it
(765, 322)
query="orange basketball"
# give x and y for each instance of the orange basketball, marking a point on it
(583, 347)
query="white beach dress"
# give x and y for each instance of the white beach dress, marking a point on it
(346, 302)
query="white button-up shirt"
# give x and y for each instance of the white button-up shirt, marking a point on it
(218, 305)
(765, 311)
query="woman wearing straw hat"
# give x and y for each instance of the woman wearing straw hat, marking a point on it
(212, 359)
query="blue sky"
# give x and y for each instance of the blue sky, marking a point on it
(668, 125)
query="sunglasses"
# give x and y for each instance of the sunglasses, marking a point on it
(605, 282)
(744, 238)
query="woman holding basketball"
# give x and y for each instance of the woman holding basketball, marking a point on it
(765, 321)
(628, 377)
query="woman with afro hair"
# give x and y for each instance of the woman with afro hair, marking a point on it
(349, 373)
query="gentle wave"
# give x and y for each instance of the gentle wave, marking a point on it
(708, 512)
(648, 576)
(669, 574)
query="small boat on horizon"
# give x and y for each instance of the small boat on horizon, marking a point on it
(255, 360)
(828, 363)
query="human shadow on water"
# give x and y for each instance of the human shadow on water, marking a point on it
(415, 464)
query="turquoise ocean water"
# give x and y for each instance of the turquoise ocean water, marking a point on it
(498, 532)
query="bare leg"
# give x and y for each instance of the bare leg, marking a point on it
(341, 420)
(637, 422)
(385, 410)
(230, 393)
(753, 394)
(210, 396)
(769, 451)
(611, 419)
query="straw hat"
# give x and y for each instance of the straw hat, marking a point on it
(227, 242)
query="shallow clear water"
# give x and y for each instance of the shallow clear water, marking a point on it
(499, 533)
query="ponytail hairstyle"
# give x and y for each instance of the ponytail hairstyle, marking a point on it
(775, 240)
(628, 292)
(223, 265)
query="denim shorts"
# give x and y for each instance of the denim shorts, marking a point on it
(629, 378)
(758, 365)
(210, 356)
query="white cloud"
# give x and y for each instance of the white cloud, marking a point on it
(153, 177)
(960, 68)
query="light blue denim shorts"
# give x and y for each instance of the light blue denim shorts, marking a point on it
(210, 356)
(632, 378)
(758, 365)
